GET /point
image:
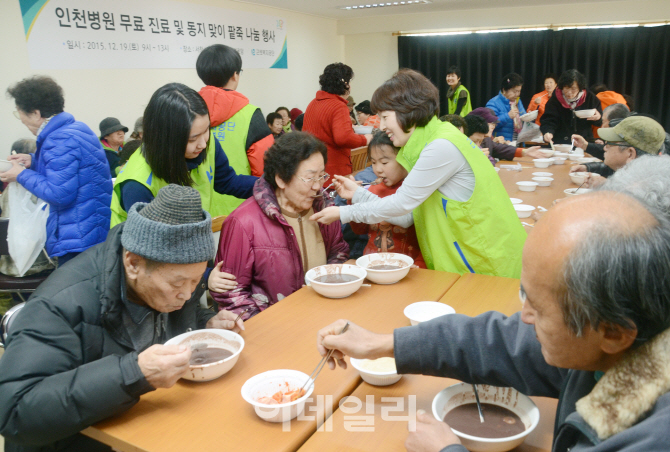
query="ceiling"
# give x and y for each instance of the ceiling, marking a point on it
(332, 8)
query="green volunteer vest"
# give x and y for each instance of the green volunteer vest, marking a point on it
(232, 135)
(138, 169)
(467, 108)
(481, 235)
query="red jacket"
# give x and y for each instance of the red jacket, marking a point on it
(222, 105)
(389, 238)
(327, 118)
(259, 247)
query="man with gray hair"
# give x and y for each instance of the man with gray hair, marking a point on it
(87, 344)
(593, 332)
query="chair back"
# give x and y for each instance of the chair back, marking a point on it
(359, 158)
(6, 322)
(217, 223)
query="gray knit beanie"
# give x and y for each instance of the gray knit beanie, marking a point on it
(171, 229)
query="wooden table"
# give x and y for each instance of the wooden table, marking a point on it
(472, 294)
(213, 416)
(542, 196)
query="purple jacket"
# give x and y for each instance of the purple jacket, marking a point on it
(499, 150)
(259, 247)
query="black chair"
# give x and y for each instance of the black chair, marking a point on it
(11, 284)
(6, 322)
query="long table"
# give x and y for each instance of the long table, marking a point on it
(472, 294)
(542, 196)
(213, 416)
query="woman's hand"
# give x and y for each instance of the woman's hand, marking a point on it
(579, 141)
(538, 101)
(595, 117)
(578, 169)
(514, 112)
(548, 137)
(345, 187)
(430, 435)
(499, 139)
(534, 152)
(368, 138)
(23, 159)
(327, 215)
(221, 281)
(594, 180)
(486, 151)
(14, 171)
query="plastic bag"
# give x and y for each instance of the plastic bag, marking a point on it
(530, 132)
(27, 230)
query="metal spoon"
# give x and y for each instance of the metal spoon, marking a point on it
(479, 405)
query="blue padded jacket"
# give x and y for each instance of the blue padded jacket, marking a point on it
(500, 105)
(69, 171)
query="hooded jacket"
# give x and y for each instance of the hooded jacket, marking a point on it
(69, 362)
(69, 171)
(223, 104)
(259, 247)
(626, 409)
(327, 118)
(560, 120)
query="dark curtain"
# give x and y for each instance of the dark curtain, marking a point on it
(633, 61)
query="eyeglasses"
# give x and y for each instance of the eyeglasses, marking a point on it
(16, 114)
(315, 179)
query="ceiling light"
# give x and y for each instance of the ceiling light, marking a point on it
(380, 5)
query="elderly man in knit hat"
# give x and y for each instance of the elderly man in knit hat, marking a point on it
(112, 138)
(87, 344)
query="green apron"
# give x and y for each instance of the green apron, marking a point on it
(453, 102)
(232, 135)
(138, 169)
(481, 235)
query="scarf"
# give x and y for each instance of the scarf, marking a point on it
(451, 91)
(571, 104)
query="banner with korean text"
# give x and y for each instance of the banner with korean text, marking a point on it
(100, 34)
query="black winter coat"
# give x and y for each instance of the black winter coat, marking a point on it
(69, 362)
(563, 123)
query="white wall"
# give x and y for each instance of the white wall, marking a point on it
(91, 95)
(372, 51)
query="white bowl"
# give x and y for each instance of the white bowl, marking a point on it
(531, 116)
(423, 311)
(385, 276)
(336, 290)
(574, 157)
(516, 201)
(461, 393)
(543, 181)
(587, 160)
(585, 113)
(212, 337)
(543, 174)
(362, 130)
(372, 377)
(578, 177)
(576, 191)
(527, 186)
(523, 210)
(562, 148)
(5, 166)
(270, 382)
(563, 155)
(559, 160)
(543, 163)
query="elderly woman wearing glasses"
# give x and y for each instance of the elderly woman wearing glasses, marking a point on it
(269, 242)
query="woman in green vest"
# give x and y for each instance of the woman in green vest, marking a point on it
(177, 148)
(463, 216)
(458, 96)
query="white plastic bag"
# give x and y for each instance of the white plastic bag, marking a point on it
(530, 132)
(27, 231)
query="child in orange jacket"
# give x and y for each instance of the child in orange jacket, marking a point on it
(385, 237)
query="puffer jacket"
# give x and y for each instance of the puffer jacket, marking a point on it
(259, 247)
(327, 118)
(560, 120)
(69, 362)
(500, 105)
(70, 172)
